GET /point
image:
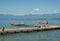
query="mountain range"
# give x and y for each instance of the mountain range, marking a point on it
(31, 16)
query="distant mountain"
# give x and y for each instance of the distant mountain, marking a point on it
(31, 16)
(38, 16)
(8, 16)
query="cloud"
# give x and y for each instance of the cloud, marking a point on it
(37, 9)
(29, 11)
(51, 11)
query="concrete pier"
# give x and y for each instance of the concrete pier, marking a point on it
(29, 29)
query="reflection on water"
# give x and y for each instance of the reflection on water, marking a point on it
(52, 35)
(7, 23)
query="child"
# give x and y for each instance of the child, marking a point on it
(3, 28)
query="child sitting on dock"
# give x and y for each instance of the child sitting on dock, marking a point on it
(39, 24)
(45, 23)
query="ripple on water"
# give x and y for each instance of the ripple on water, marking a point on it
(52, 35)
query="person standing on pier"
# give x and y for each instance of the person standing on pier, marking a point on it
(3, 29)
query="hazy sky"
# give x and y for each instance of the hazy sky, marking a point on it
(22, 7)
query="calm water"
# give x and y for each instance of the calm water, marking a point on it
(52, 35)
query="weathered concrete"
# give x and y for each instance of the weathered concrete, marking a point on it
(29, 29)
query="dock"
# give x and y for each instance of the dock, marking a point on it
(15, 24)
(29, 29)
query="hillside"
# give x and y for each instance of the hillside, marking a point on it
(30, 16)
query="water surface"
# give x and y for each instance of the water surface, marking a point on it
(52, 35)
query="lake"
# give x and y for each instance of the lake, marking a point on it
(52, 35)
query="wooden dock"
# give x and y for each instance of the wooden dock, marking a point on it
(29, 29)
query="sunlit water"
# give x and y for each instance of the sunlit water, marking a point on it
(52, 35)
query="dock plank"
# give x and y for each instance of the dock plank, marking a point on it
(28, 29)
